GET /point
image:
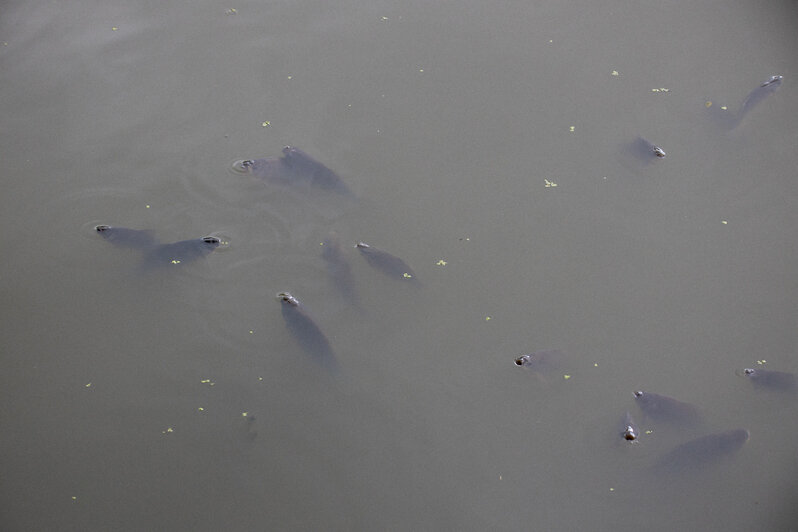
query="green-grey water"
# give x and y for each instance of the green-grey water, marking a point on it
(487, 146)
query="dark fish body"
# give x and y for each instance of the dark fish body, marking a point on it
(305, 331)
(296, 167)
(647, 150)
(629, 430)
(181, 252)
(661, 408)
(758, 94)
(774, 380)
(385, 262)
(339, 269)
(129, 238)
(638, 154)
(544, 361)
(702, 451)
(730, 120)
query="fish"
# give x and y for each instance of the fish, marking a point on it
(543, 361)
(666, 409)
(305, 331)
(629, 431)
(648, 150)
(294, 167)
(128, 238)
(701, 452)
(639, 153)
(154, 253)
(765, 89)
(181, 252)
(760, 93)
(773, 380)
(339, 269)
(385, 262)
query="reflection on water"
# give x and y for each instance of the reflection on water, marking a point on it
(497, 148)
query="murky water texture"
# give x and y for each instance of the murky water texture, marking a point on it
(500, 154)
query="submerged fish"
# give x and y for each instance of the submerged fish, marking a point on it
(156, 254)
(305, 331)
(765, 89)
(640, 153)
(666, 409)
(629, 431)
(774, 380)
(295, 167)
(129, 238)
(648, 150)
(385, 262)
(182, 252)
(339, 269)
(543, 361)
(700, 452)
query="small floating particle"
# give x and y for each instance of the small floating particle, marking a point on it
(595, 364)
(708, 104)
(290, 77)
(88, 385)
(571, 128)
(615, 73)
(760, 362)
(649, 431)
(74, 498)
(566, 377)
(724, 107)
(612, 489)
(146, 206)
(487, 318)
(549, 184)
(260, 378)
(244, 414)
(661, 89)
(266, 123)
(168, 430)
(175, 261)
(231, 11)
(383, 19)
(421, 70)
(724, 222)
(441, 263)
(114, 28)
(407, 275)
(200, 409)
(251, 332)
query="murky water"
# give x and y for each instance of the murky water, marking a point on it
(488, 145)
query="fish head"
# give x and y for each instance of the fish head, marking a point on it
(211, 241)
(287, 299)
